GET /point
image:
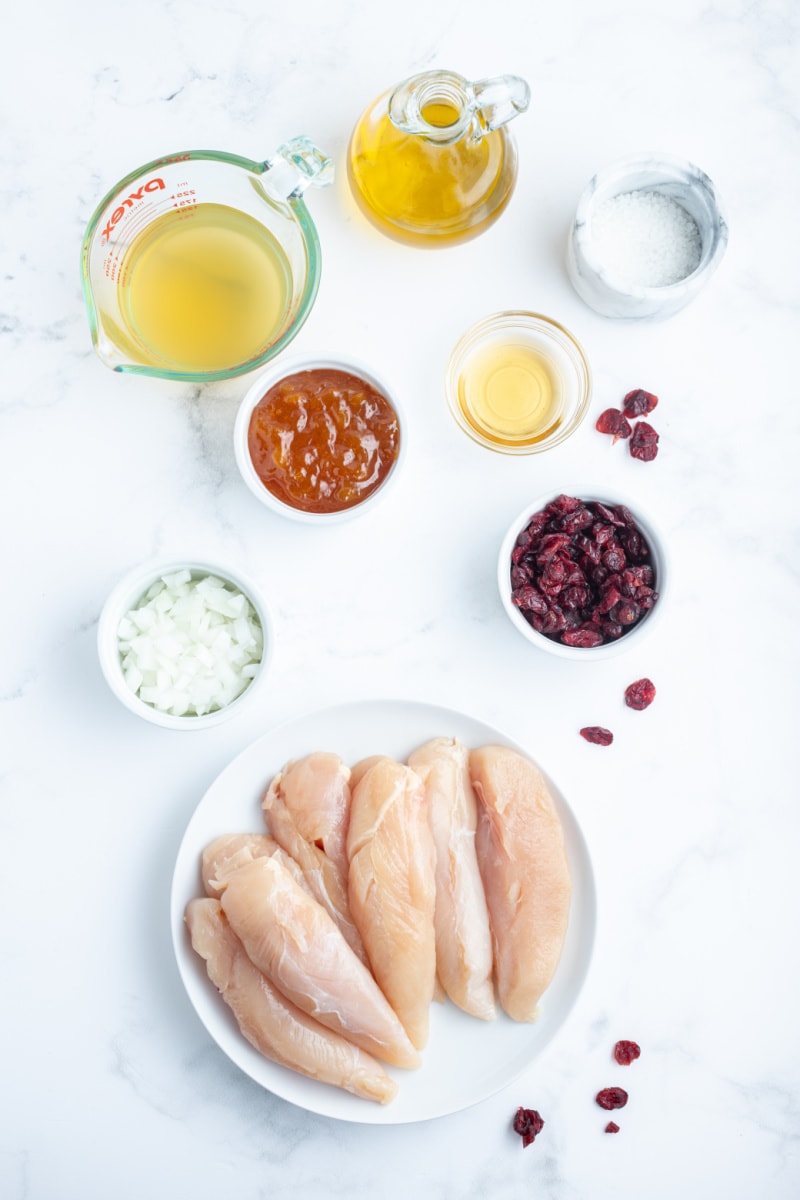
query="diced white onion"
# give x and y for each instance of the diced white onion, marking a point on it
(191, 646)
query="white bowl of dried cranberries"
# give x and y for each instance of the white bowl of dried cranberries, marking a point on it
(583, 574)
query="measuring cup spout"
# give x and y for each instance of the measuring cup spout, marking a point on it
(296, 165)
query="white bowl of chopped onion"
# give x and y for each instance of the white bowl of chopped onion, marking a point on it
(184, 644)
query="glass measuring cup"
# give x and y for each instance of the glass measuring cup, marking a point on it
(203, 265)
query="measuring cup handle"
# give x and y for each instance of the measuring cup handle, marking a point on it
(296, 164)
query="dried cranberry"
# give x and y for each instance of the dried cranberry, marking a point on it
(598, 736)
(553, 577)
(632, 541)
(612, 1127)
(614, 558)
(612, 1097)
(584, 638)
(626, 1052)
(527, 1123)
(581, 518)
(639, 695)
(607, 514)
(575, 576)
(576, 596)
(644, 442)
(634, 578)
(639, 403)
(564, 504)
(529, 599)
(609, 597)
(626, 612)
(554, 620)
(549, 547)
(613, 421)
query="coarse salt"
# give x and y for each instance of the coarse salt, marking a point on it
(646, 238)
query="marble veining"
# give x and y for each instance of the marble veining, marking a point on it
(112, 1086)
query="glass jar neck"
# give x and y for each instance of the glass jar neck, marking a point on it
(437, 105)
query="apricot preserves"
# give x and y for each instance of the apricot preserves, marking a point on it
(323, 440)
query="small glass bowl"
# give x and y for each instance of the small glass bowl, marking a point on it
(597, 282)
(658, 557)
(518, 383)
(127, 594)
(259, 388)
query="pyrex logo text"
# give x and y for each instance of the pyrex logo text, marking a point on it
(152, 185)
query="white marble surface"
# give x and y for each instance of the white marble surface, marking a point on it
(110, 1085)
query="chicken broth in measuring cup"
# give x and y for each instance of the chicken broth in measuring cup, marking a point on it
(203, 265)
(204, 287)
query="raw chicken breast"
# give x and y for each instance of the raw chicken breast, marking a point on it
(315, 791)
(463, 937)
(307, 808)
(270, 1022)
(392, 888)
(359, 769)
(231, 851)
(525, 872)
(297, 945)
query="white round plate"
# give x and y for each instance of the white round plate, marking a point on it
(466, 1060)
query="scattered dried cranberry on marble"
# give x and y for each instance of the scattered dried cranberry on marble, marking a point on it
(642, 437)
(626, 1052)
(612, 1097)
(640, 695)
(639, 403)
(644, 442)
(612, 1127)
(614, 422)
(597, 735)
(527, 1123)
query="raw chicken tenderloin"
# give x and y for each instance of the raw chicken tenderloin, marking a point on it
(392, 889)
(231, 851)
(316, 791)
(359, 769)
(297, 945)
(270, 1022)
(307, 808)
(525, 872)
(463, 937)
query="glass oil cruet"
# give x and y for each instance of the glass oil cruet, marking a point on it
(431, 162)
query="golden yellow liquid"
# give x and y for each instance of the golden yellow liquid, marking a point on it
(510, 393)
(440, 113)
(204, 289)
(422, 192)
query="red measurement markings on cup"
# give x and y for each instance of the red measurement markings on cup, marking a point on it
(152, 185)
(183, 196)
